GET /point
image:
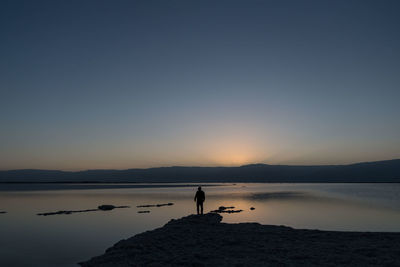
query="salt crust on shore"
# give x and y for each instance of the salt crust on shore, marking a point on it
(205, 241)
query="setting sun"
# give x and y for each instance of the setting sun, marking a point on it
(233, 152)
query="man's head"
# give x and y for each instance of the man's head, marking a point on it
(199, 188)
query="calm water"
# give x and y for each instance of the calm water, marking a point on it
(64, 240)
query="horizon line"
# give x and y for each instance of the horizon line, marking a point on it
(197, 166)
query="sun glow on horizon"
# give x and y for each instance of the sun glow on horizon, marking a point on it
(234, 152)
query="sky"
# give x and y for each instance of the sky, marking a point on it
(135, 84)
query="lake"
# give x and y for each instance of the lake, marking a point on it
(63, 240)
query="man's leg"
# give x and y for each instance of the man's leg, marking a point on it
(197, 204)
(201, 208)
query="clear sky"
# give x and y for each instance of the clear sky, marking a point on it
(123, 84)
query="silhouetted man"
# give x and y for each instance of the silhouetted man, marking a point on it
(199, 198)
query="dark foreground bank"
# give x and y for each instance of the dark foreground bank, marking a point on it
(205, 241)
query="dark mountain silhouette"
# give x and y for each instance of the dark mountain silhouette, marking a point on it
(379, 171)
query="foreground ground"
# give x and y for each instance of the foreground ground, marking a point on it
(205, 241)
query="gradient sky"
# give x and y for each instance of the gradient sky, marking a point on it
(123, 84)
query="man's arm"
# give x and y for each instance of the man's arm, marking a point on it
(195, 196)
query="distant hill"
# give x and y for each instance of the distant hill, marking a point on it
(379, 171)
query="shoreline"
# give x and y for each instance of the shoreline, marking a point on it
(199, 182)
(206, 241)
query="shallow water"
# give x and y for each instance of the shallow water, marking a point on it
(64, 240)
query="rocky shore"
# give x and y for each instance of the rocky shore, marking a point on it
(205, 241)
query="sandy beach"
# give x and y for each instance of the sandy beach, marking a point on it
(205, 241)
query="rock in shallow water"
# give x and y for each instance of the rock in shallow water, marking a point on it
(110, 207)
(223, 209)
(155, 205)
(101, 207)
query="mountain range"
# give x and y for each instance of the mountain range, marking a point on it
(387, 171)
